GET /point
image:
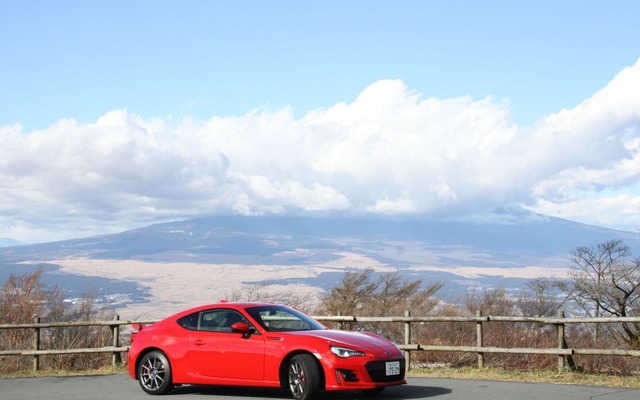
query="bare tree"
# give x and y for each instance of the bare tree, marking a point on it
(390, 295)
(396, 295)
(24, 297)
(264, 293)
(351, 296)
(544, 298)
(490, 301)
(606, 283)
(81, 336)
(359, 294)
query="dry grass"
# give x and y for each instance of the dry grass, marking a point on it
(494, 374)
(110, 370)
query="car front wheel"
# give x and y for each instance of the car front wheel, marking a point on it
(154, 373)
(304, 377)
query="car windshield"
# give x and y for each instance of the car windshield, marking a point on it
(274, 318)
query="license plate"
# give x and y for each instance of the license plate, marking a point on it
(393, 368)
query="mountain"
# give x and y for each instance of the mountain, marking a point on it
(504, 252)
(6, 242)
(240, 239)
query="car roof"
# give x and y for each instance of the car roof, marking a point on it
(224, 304)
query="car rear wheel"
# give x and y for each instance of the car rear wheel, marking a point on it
(154, 373)
(304, 377)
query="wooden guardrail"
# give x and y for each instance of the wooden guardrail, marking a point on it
(561, 350)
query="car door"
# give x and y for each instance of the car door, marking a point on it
(218, 352)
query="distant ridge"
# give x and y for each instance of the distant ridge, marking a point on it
(6, 242)
(417, 247)
(212, 239)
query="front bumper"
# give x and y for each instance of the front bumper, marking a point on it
(362, 374)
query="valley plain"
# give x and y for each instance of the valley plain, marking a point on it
(156, 270)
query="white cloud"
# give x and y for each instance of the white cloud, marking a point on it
(593, 157)
(619, 210)
(388, 151)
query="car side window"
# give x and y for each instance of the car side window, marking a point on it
(190, 321)
(281, 320)
(219, 320)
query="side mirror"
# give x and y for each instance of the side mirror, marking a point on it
(241, 327)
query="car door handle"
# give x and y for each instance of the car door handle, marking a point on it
(199, 342)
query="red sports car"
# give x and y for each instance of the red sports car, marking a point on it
(260, 344)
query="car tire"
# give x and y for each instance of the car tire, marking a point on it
(304, 377)
(154, 373)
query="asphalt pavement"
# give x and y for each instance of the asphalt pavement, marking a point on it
(119, 387)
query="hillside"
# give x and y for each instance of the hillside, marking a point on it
(309, 253)
(6, 242)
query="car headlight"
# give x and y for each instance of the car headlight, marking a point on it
(344, 352)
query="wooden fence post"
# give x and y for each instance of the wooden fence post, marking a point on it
(479, 339)
(561, 341)
(563, 351)
(115, 356)
(407, 340)
(36, 344)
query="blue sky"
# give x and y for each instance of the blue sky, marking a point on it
(202, 87)
(79, 59)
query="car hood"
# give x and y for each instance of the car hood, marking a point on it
(360, 340)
